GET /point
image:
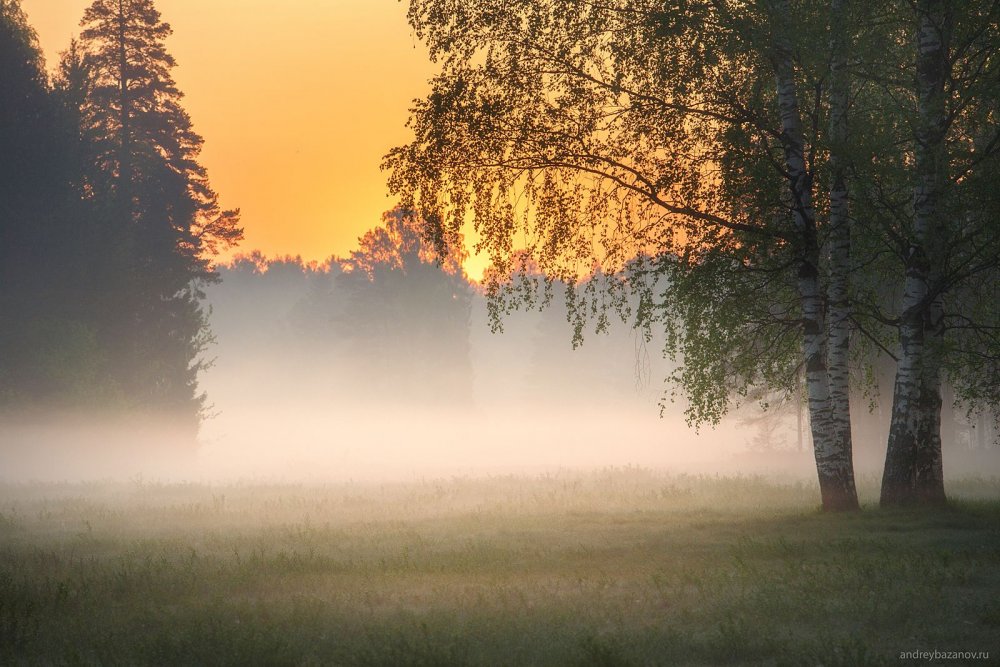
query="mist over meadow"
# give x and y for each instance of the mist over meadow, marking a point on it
(368, 370)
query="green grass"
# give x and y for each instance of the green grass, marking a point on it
(622, 567)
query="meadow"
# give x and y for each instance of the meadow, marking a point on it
(617, 567)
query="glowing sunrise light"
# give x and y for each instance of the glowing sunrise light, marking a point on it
(297, 101)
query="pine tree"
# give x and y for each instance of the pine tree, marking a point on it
(24, 113)
(164, 216)
(47, 350)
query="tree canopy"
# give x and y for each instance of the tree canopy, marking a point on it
(111, 225)
(763, 156)
(407, 314)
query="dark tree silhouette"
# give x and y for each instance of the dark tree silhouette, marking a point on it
(47, 341)
(107, 221)
(164, 216)
(406, 315)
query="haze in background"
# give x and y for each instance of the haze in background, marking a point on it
(319, 377)
(322, 375)
(316, 378)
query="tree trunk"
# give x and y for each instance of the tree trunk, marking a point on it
(833, 465)
(904, 429)
(929, 468)
(913, 465)
(838, 297)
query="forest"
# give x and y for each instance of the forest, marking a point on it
(726, 391)
(109, 223)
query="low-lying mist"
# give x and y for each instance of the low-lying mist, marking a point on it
(318, 376)
(429, 393)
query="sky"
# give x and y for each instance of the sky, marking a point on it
(297, 100)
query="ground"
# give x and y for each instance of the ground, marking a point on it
(619, 567)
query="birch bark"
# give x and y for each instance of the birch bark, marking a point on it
(838, 290)
(836, 475)
(913, 466)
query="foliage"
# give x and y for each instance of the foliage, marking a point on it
(108, 233)
(574, 134)
(963, 251)
(648, 141)
(41, 283)
(406, 314)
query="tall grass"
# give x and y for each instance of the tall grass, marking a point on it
(621, 567)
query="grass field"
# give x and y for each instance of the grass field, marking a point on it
(622, 567)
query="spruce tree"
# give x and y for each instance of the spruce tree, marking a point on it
(164, 216)
(47, 349)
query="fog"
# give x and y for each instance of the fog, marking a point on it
(294, 396)
(317, 378)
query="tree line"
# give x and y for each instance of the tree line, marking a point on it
(791, 189)
(108, 222)
(390, 327)
(387, 324)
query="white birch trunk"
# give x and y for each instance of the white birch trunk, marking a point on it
(835, 480)
(913, 470)
(838, 290)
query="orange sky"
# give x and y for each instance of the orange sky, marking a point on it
(298, 101)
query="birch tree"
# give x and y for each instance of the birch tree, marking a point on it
(913, 458)
(947, 235)
(839, 293)
(590, 134)
(826, 352)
